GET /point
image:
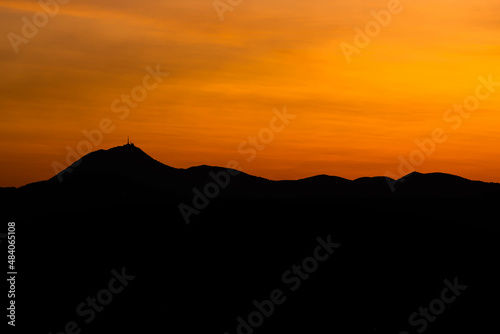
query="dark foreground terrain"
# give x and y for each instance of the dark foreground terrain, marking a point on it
(203, 276)
(107, 253)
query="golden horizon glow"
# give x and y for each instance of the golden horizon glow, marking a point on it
(226, 78)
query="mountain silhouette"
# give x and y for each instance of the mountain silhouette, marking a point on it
(128, 171)
(119, 208)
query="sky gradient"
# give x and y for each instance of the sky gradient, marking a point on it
(226, 77)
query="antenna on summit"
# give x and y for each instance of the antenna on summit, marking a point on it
(128, 140)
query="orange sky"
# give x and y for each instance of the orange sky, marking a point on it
(353, 119)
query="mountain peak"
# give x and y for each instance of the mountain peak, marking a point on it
(127, 148)
(126, 160)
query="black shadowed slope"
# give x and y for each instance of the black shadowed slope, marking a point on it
(443, 185)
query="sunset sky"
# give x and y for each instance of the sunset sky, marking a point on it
(353, 119)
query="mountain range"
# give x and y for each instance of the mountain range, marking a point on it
(127, 171)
